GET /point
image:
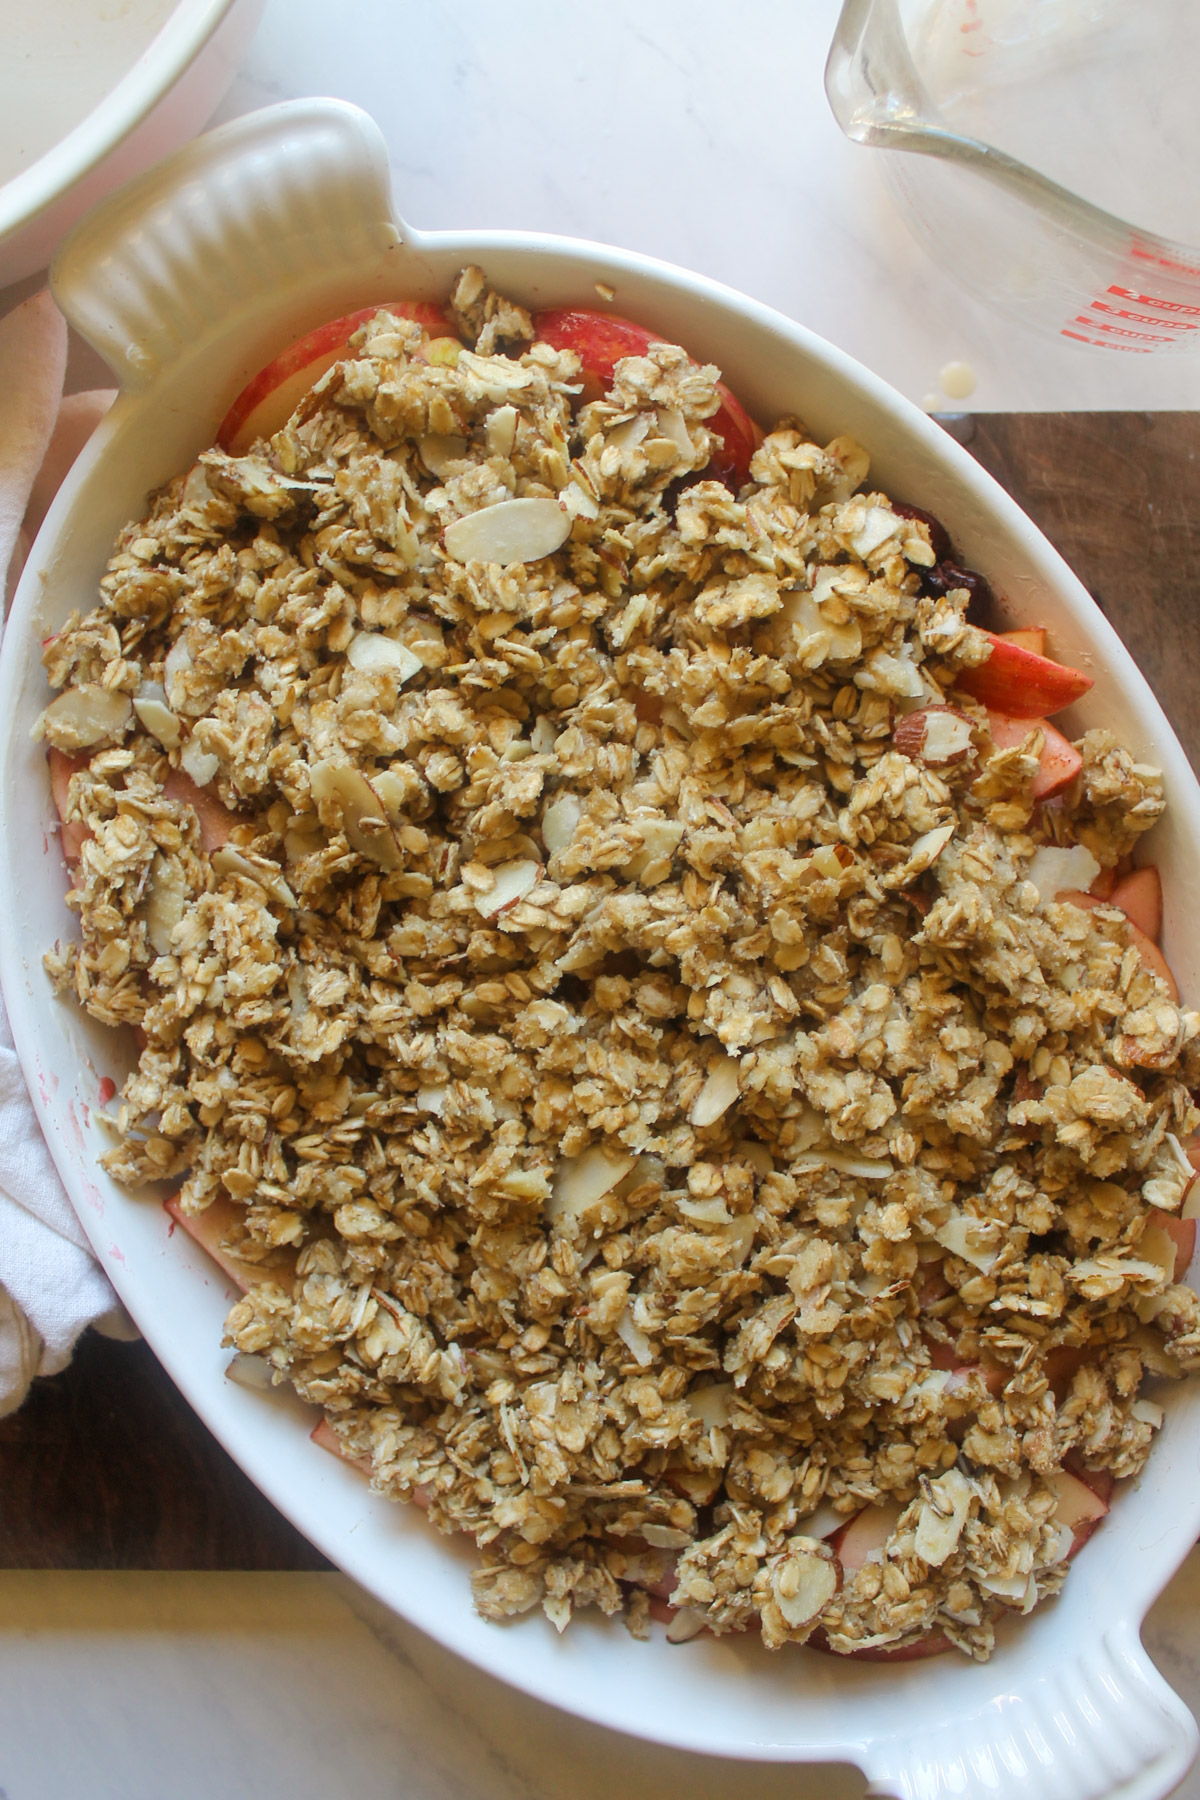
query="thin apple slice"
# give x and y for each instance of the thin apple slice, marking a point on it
(1139, 897)
(215, 820)
(73, 833)
(1149, 952)
(600, 340)
(1153, 959)
(1059, 762)
(869, 1530)
(210, 1228)
(1182, 1233)
(268, 401)
(1021, 683)
(1030, 637)
(326, 1438)
(934, 1643)
(1080, 1508)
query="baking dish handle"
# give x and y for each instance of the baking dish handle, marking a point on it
(1104, 1727)
(274, 204)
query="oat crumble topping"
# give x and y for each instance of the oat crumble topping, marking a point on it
(653, 1102)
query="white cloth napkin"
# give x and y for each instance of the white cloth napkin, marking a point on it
(50, 1285)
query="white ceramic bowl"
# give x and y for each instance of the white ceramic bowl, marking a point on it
(186, 283)
(161, 94)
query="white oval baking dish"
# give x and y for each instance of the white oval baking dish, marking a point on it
(187, 283)
(159, 101)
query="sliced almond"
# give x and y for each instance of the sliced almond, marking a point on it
(863, 1168)
(710, 1404)
(179, 660)
(936, 734)
(939, 1527)
(818, 639)
(362, 814)
(501, 430)
(150, 705)
(803, 1581)
(228, 861)
(559, 821)
(635, 1339)
(581, 1181)
(719, 1092)
(374, 654)
(197, 762)
(511, 881)
(687, 1624)
(512, 531)
(970, 1238)
(1054, 869)
(85, 715)
(441, 453)
(164, 904)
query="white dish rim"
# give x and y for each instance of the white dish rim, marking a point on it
(895, 1736)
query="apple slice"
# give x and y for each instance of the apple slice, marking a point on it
(1146, 948)
(214, 819)
(73, 833)
(1059, 762)
(600, 340)
(1153, 958)
(1021, 683)
(326, 1438)
(209, 1229)
(1030, 637)
(1139, 897)
(267, 402)
(868, 1530)
(1182, 1233)
(1080, 1508)
(934, 1643)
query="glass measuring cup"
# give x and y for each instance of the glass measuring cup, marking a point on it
(1048, 153)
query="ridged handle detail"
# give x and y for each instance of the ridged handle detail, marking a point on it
(256, 209)
(1105, 1727)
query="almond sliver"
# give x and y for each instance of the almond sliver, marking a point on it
(512, 531)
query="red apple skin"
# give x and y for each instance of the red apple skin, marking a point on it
(1182, 1233)
(934, 1644)
(208, 1229)
(1139, 896)
(600, 340)
(289, 376)
(1021, 683)
(1153, 958)
(1147, 949)
(1059, 763)
(327, 1438)
(73, 833)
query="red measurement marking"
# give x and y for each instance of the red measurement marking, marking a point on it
(1103, 344)
(1141, 318)
(1145, 337)
(1140, 254)
(1179, 306)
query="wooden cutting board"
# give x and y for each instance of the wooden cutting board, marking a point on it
(105, 1466)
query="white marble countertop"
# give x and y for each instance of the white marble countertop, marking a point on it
(701, 135)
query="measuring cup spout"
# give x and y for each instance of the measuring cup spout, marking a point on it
(871, 80)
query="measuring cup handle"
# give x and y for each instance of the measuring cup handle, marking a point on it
(237, 222)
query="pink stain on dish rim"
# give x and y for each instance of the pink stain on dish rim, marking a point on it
(93, 1196)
